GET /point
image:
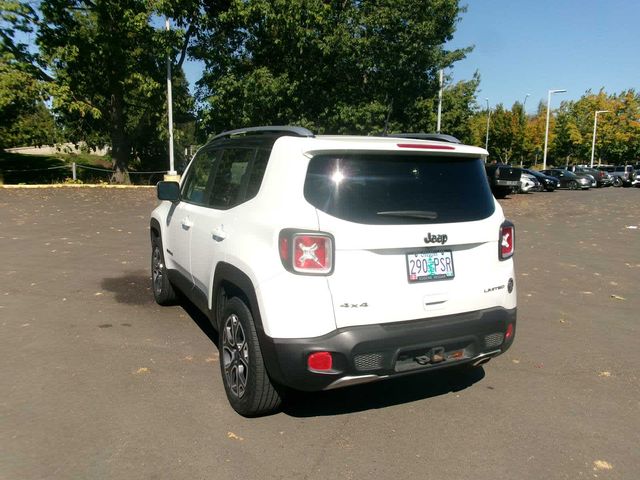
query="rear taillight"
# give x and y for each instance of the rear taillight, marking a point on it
(507, 240)
(306, 253)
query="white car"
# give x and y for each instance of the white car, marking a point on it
(329, 261)
(528, 183)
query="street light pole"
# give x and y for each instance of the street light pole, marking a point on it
(486, 142)
(440, 100)
(546, 131)
(171, 171)
(595, 127)
(524, 126)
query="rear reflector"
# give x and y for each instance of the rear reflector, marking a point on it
(426, 146)
(284, 249)
(320, 361)
(509, 332)
(506, 242)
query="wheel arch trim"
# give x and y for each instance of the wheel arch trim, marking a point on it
(154, 225)
(225, 273)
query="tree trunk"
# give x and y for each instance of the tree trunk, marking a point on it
(120, 146)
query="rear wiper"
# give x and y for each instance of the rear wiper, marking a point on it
(425, 214)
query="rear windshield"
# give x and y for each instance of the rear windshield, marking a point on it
(397, 189)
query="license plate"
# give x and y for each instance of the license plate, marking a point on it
(426, 266)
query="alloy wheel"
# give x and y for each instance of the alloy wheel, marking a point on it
(235, 356)
(157, 270)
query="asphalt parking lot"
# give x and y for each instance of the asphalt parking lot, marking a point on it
(97, 381)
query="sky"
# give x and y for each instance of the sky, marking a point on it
(532, 46)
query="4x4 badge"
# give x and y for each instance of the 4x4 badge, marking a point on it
(440, 238)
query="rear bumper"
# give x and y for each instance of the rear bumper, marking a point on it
(373, 352)
(507, 183)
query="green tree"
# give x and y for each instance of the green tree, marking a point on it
(336, 66)
(99, 54)
(504, 134)
(458, 108)
(34, 125)
(534, 134)
(23, 85)
(107, 62)
(618, 135)
(563, 147)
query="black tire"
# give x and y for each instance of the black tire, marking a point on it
(573, 185)
(246, 381)
(163, 291)
(617, 182)
(501, 192)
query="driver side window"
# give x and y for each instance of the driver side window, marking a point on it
(197, 178)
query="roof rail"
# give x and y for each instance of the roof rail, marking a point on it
(439, 137)
(296, 131)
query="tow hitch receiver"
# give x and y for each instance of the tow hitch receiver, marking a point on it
(435, 355)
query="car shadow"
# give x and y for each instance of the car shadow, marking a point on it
(386, 393)
(135, 289)
(199, 318)
(131, 289)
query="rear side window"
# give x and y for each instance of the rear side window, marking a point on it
(257, 173)
(397, 189)
(230, 174)
(222, 178)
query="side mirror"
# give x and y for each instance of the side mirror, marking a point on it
(168, 191)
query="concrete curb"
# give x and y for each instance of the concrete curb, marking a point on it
(78, 186)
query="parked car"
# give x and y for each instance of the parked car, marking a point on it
(608, 179)
(503, 178)
(529, 183)
(602, 178)
(622, 175)
(547, 182)
(592, 179)
(569, 179)
(328, 261)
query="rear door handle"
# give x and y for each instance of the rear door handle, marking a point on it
(218, 233)
(187, 223)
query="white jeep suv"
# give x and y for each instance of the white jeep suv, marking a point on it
(328, 261)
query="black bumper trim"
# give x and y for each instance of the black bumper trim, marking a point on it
(396, 345)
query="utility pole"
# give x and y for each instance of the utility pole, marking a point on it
(524, 127)
(546, 131)
(595, 127)
(486, 142)
(440, 100)
(172, 172)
